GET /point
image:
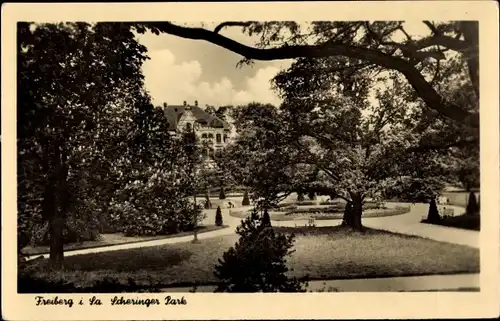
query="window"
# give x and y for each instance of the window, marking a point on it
(225, 138)
(204, 135)
(189, 127)
(219, 138)
(211, 136)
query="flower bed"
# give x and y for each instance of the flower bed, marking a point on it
(318, 213)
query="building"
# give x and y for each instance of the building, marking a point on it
(209, 128)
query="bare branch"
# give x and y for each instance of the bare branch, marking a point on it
(405, 33)
(431, 26)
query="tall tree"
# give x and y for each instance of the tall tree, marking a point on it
(334, 149)
(77, 88)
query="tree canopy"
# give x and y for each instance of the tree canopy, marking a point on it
(90, 143)
(384, 45)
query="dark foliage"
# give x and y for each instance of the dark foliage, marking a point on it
(29, 284)
(266, 219)
(433, 214)
(465, 221)
(472, 205)
(218, 217)
(222, 195)
(257, 262)
(246, 200)
(300, 197)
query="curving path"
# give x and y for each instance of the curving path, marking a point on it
(408, 223)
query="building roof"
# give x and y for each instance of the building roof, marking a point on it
(173, 113)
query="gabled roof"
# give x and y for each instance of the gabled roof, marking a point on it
(174, 113)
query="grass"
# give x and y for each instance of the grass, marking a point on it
(115, 239)
(322, 253)
(464, 221)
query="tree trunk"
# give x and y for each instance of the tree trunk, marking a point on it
(347, 218)
(357, 211)
(59, 207)
(56, 241)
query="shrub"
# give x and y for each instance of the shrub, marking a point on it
(472, 206)
(75, 231)
(311, 195)
(133, 222)
(222, 195)
(218, 217)
(300, 197)
(433, 214)
(246, 200)
(27, 283)
(257, 262)
(266, 220)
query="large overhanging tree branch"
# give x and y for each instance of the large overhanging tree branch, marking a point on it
(428, 94)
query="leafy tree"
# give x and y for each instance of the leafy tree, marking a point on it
(75, 105)
(472, 204)
(223, 111)
(246, 200)
(257, 262)
(384, 45)
(333, 149)
(433, 214)
(156, 197)
(218, 217)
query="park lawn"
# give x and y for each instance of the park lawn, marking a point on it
(114, 239)
(320, 253)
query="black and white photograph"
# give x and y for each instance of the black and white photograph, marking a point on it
(248, 156)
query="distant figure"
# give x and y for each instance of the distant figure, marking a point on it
(230, 204)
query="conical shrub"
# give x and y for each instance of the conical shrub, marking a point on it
(222, 195)
(433, 214)
(472, 206)
(258, 261)
(218, 217)
(246, 200)
(266, 219)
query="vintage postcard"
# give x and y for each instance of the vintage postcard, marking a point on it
(201, 161)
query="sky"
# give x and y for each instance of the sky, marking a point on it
(188, 70)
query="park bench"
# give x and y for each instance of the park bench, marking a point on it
(311, 222)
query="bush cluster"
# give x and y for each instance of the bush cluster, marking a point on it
(75, 231)
(134, 222)
(27, 283)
